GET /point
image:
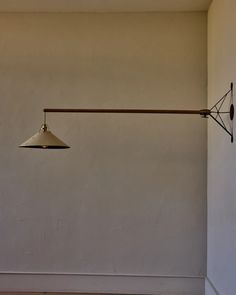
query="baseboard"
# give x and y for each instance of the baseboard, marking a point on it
(87, 283)
(210, 288)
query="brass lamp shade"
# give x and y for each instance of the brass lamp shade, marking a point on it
(44, 139)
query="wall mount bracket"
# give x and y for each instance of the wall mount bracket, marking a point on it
(217, 112)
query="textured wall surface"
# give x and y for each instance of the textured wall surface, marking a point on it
(129, 197)
(102, 5)
(222, 154)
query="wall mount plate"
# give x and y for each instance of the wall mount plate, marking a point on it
(231, 112)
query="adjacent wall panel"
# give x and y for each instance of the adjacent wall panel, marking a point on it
(221, 153)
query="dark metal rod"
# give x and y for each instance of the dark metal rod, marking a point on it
(212, 112)
(223, 97)
(129, 111)
(221, 125)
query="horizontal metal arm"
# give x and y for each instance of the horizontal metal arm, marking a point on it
(204, 112)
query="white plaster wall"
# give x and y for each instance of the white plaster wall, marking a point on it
(221, 153)
(129, 197)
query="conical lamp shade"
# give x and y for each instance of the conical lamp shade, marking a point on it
(44, 139)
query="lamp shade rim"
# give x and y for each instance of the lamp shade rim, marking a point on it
(44, 147)
(44, 139)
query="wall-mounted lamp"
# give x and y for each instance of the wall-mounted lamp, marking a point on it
(45, 139)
